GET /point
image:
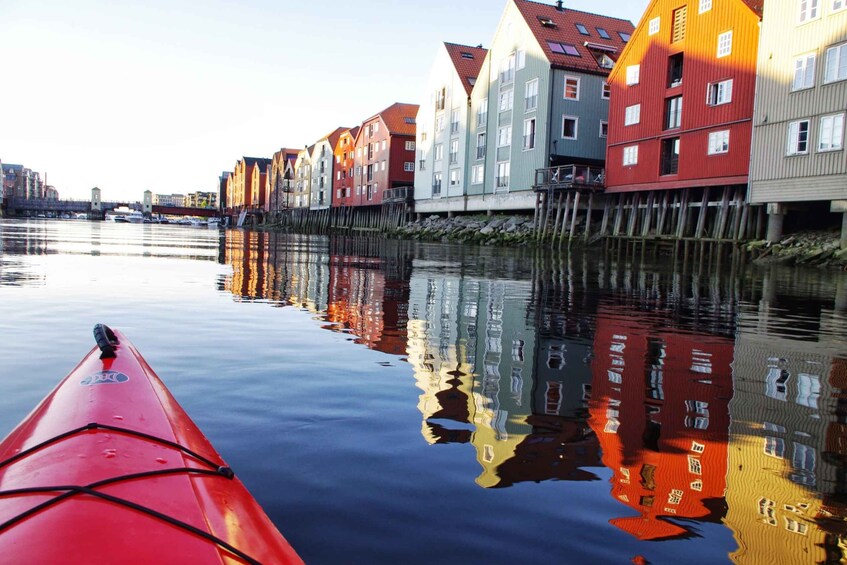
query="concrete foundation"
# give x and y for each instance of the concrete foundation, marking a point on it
(776, 215)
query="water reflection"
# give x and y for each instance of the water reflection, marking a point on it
(713, 393)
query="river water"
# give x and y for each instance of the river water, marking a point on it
(401, 402)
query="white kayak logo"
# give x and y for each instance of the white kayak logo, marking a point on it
(104, 378)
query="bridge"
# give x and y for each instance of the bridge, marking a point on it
(16, 207)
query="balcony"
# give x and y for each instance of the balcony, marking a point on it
(570, 177)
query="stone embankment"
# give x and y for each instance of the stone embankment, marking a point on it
(812, 248)
(480, 230)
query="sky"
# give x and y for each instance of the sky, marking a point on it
(165, 95)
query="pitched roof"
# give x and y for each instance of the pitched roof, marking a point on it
(333, 136)
(399, 118)
(556, 31)
(468, 61)
(261, 161)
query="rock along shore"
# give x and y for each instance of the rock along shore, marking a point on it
(811, 248)
(480, 230)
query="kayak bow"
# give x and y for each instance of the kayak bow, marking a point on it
(109, 468)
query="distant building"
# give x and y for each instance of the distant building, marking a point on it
(280, 178)
(222, 184)
(14, 183)
(385, 153)
(323, 160)
(240, 190)
(202, 200)
(302, 179)
(342, 184)
(50, 192)
(169, 200)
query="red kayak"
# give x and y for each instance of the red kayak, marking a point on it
(110, 469)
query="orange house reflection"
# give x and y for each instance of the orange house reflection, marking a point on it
(660, 409)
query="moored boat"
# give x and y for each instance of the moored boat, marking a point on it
(110, 469)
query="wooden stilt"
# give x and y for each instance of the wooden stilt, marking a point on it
(704, 208)
(587, 232)
(573, 218)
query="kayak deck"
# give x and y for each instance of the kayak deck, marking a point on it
(109, 468)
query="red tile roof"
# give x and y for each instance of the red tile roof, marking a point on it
(468, 61)
(399, 118)
(548, 24)
(333, 136)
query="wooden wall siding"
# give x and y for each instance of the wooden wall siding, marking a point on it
(774, 176)
(479, 96)
(345, 151)
(328, 160)
(590, 109)
(701, 68)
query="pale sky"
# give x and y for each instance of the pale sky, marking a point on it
(166, 94)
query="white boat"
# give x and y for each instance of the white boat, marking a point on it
(214, 223)
(135, 217)
(198, 222)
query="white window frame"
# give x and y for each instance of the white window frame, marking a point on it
(438, 153)
(503, 166)
(454, 152)
(484, 138)
(565, 88)
(575, 119)
(531, 95)
(409, 166)
(504, 136)
(809, 10)
(455, 177)
(633, 74)
(604, 123)
(526, 126)
(719, 93)
(833, 62)
(831, 126)
(794, 137)
(705, 6)
(804, 72)
(482, 113)
(606, 91)
(506, 100)
(654, 26)
(478, 174)
(719, 142)
(632, 115)
(630, 155)
(410, 146)
(838, 5)
(724, 44)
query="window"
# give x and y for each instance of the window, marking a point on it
(604, 129)
(506, 100)
(836, 63)
(454, 177)
(602, 33)
(804, 72)
(653, 26)
(724, 44)
(439, 152)
(383, 144)
(439, 124)
(454, 121)
(571, 88)
(482, 113)
(606, 92)
(831, 133)
(520, 59)
(670, 156)
(838, 5)
(529, 134)
(680, 16)
(504, 136)
(633, 74)
(410, 146)
(719, 142)
(808, 10)
(798, 137)
(436, 184)
(480, 145)
(624, 36)
(563, 48)
(503, 170)
(705, 6)
(630, 155)
(673, 112)
(531, 95)
(582, 29)
(675, 65)
(569, 127)
(454, 151)
(478, 174)
(409, 167)
(507, 69)
(632, 115)
(719, 93)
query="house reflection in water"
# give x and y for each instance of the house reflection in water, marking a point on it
(489, 380)
(660, 410)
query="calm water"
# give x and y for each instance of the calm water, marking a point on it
(392, 402)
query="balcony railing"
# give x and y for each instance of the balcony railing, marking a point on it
(398, 194)
(570, 176)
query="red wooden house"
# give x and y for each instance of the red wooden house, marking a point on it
(682, 97)
(385, 154)
(343, 185)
